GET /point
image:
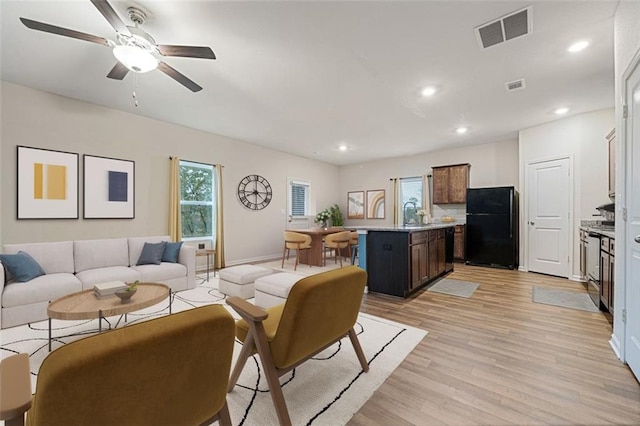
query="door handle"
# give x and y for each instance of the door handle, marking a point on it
(532, 223)
(637, 239)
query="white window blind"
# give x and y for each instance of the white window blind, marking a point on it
(299, 198)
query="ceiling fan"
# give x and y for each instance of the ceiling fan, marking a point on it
(135, 50)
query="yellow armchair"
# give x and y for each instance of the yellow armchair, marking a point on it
(320, 310)
(169, 370)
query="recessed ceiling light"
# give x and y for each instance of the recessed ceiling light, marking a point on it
(343, 147)
(429, 91)
(461, 130)
(578, 46)
(561, 111)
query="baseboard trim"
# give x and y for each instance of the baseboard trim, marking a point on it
(615, 345)
(254, 259)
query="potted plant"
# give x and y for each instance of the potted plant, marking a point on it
(322, 217)
(337, 219)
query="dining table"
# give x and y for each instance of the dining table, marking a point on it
(314, 255)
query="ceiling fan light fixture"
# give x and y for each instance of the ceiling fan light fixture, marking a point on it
(135, 59)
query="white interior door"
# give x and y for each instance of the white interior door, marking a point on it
(548, 196)
(632, 237)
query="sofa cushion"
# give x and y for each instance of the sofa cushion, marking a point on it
(52, 257)
(163, 272)
(21, 266)
(136, 244)
(91, 277)
(152, 253)
(41, 289)
(171, 252)
(92, 254)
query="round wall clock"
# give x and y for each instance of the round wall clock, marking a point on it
(254, 192)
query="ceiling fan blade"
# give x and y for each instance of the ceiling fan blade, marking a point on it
(47, 28)
(118, 72)
(110, 15)
(177, 76)
(187, 51)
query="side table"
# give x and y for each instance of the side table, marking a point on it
(206, 252)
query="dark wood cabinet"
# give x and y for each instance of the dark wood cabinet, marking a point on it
(605, 282)
(607, 257)
(612, 274)
(419, 259)
(400, 263)
(440, 185)
(450, 184)
(458, 243)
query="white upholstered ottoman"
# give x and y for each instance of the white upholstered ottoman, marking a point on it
(239, 280)
(274, 289)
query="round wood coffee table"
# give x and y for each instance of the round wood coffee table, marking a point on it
(85, 305)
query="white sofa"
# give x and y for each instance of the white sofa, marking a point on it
(72, 266)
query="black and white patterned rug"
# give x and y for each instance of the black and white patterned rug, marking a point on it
(327, 390)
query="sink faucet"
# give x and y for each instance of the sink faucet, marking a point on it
(404, 211)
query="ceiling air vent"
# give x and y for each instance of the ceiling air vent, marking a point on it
(515, 85)
(506, 28)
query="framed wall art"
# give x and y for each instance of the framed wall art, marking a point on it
(109, 188)
(47, 184)
(355, 205)
(375, 204)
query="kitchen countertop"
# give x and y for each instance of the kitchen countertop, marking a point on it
(611, 233)
(400, 228)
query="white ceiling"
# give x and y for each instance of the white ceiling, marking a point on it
(303, 77)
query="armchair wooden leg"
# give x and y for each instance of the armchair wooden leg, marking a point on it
(283, 254)
(224, 418)
(356, 346)
(271, 374)
(245, 353)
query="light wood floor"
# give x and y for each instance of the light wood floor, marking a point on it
(497, 358)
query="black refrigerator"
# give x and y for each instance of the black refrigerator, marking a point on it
(491, 233)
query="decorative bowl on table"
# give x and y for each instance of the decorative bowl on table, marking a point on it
(125, 295)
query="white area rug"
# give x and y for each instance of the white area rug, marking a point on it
(454, 287)
(327, 390)
(563, 299)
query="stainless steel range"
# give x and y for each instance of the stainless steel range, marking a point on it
(593, 267)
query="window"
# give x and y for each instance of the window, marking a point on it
(298, 198)
(197, 201)
(410, 192)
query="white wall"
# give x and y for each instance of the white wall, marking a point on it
(42, 120)
(626, 48)
(492, 164)
(581, 137)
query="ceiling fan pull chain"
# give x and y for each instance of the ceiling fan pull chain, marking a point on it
(135, 86)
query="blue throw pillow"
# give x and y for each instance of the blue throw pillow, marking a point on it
(22, 266)
(171, 252)
(151, 253)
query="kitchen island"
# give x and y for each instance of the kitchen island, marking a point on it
(401, 260)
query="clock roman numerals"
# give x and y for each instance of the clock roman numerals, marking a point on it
(254, 192)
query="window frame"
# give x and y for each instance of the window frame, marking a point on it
(307, 196)
(212, 203)
(401, 201)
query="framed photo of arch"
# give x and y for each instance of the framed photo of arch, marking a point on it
(355, 205)
(375, 204)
